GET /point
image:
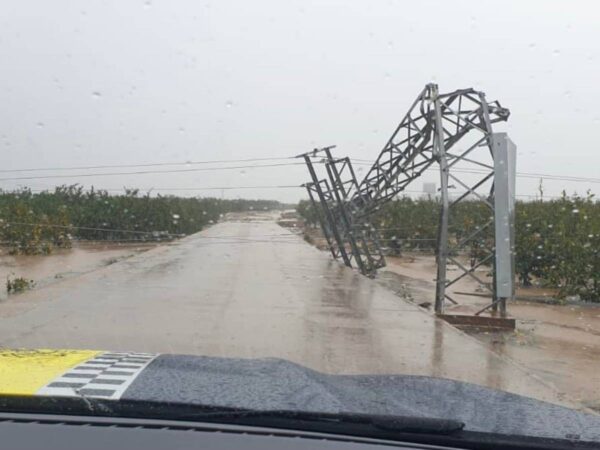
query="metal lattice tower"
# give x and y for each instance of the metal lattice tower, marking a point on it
(442, 130)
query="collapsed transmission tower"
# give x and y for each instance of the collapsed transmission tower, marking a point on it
(451, 132)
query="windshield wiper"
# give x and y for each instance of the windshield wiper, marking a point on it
(405, 424)
(421, 430)
(230, 415)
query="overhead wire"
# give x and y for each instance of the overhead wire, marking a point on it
(144, 172)
(115, 166)
(252, 166)
(357, 161)
(518, 174)
(205, 188)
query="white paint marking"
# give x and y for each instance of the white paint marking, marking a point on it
(110, 362)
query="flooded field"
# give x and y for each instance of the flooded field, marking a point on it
(65, 263)
(558, 343)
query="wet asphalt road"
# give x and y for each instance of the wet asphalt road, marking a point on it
(252, 289)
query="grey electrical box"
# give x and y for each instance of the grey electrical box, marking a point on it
(505, 165)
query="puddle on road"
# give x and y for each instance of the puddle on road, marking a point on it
(65, 263)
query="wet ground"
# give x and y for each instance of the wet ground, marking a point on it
(250, 288)
(64, 263)
(558, 343)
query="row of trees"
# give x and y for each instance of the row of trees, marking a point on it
(557, 241)
(34, 223)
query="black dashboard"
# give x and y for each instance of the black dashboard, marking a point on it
(54, 432)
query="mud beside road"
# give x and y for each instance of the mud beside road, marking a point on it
(61, 264)
(558, 343)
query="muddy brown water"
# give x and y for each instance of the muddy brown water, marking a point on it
(65, 263)
(558, 343)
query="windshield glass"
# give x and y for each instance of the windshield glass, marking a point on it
(383, 190)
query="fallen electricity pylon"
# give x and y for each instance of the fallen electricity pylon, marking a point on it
(430, 134)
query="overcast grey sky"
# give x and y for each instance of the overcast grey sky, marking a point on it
(132, 82)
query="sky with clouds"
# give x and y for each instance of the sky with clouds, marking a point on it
(121, 82)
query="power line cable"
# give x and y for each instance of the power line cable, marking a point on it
(518, 174)
(206, 188)
(474, 171)
(115, 166)
(358, 161)
(144, 172)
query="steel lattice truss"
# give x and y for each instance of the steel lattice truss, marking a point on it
(440, 130)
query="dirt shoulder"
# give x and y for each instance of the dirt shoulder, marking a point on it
(558, 343)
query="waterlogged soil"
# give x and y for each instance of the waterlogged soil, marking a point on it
(61, 264)
(559, 344)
